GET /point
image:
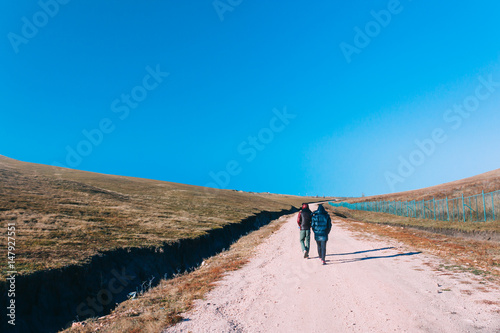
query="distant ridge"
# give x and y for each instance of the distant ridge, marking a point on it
(487, 182)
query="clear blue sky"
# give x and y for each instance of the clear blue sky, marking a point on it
(356, 102)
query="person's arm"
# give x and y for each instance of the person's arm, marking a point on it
(329, 224)
(299, 219)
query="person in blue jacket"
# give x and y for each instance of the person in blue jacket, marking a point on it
(321, 226)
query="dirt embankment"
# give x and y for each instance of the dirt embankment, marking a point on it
(48, 301)
(371, 283)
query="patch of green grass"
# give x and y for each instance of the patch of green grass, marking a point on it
(452, 267)
(460, 268)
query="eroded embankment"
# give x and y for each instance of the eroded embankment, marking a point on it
(47, 301)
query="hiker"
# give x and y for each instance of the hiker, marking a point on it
(304, 222)
(321, 225)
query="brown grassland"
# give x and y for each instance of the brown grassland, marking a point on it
(163, 305)
(65, 216)
(480, 257)
(425, 224)
(487, 182)
(444, 238)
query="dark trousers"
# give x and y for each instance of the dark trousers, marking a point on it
(321, 249)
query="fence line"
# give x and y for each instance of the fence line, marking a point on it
(475, 208)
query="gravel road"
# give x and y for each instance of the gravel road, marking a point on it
(370, 284)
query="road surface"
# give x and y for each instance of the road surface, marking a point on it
(369, 284)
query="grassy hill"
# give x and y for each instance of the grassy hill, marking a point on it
(487, 182)
(65, 216)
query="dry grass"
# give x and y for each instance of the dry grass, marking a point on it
(478, 257)
(65, 216)
(430, 224)
(487, 182)
(163, 305)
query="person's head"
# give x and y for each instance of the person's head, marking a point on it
(321, 208)
(305, 206)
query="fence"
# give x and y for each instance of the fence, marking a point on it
(476, 208)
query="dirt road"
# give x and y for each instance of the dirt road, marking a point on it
(368, 285)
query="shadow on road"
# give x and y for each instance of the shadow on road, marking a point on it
(359, 252)
(345, 261)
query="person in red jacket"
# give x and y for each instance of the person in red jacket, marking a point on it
(304, 222)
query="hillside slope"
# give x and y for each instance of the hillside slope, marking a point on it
(487, 182)
(65, 216)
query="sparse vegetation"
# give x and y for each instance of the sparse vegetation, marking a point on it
(65, 216)
(163, 305)
(430, 224)
(487, 182)
(476, 256)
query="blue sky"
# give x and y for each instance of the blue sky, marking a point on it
(252, 95)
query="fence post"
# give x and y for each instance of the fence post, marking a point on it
(477, 209)
(463, 206)
(447, 208)
(493, 205)
(484, 207)
(434, 201)
(455, 206)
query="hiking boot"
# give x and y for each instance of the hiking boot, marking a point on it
(324, 262)
(306, 254)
